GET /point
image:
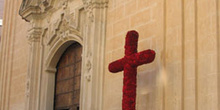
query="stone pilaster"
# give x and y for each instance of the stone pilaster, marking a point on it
(94, 53)
(33, 76)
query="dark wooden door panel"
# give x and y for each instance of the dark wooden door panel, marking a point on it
(67, 90)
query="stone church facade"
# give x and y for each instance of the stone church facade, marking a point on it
(41, 37)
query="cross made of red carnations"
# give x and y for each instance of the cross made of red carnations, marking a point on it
(129, 64)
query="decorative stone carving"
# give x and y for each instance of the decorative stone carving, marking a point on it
(88, 5)
(64, 4)
(43, 6)
(34, 35)
(27, 88)
(55, 25)
(63, 27)
(88, 65)
(88, 77)
(31, 8)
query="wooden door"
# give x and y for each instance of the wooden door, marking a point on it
(67, 85)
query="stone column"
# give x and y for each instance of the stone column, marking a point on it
(33, 76)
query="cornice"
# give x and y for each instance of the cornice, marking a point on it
(28, 13)
(31, 8)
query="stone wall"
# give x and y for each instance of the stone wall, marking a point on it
(185, 35)
(14, 55)
(184, 75)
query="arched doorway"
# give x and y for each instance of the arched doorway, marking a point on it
(67, 82)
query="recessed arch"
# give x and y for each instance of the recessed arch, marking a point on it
(57, 50)
(52, 60)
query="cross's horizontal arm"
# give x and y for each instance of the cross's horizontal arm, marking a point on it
(117, 66)
(144, 57)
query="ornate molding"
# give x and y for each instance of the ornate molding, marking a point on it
(90, 5)
(34, 34)
(63, 27)
(29, 9)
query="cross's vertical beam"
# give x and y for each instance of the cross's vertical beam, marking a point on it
(129, 64)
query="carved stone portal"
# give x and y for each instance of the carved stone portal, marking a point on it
(56, 24)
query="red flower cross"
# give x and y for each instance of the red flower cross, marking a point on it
(129, 64)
